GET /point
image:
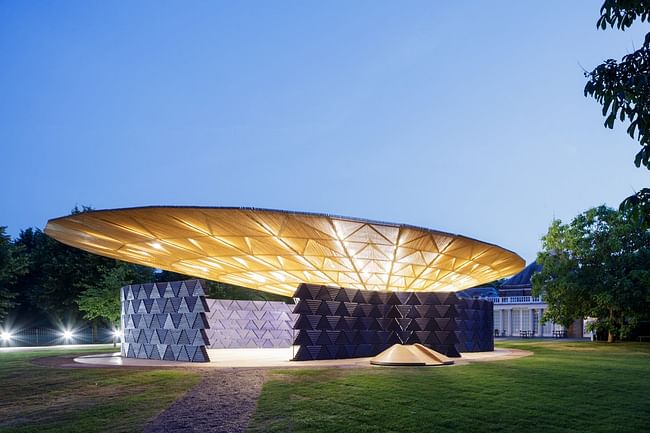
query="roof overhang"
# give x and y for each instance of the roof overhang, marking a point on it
(274, 251)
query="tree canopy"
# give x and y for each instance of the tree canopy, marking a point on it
(101, 300)
(46, 280)
(56, 275)
(12, 266)
(598, 265)
(623, 89)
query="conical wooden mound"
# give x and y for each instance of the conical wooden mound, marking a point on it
(410, 354)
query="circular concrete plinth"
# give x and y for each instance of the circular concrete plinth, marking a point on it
(272, 358)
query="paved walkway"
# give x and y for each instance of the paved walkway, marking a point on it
(225, 358)
(270, 358)
(223, 402)
(57, 347)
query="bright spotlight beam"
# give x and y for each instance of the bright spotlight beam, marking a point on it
(6, 336)
(67, 334)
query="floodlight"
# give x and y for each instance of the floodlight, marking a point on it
(6, 336)
(67, 334)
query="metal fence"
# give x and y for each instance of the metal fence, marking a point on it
(53, 337)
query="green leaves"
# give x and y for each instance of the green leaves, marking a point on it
(641, 157)
(637, 207)
(598, 265)
(12, 266)
(57, 275)
(621, 14)
(623, 88)
(101, 300)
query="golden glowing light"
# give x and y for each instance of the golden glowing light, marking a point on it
(274, 251)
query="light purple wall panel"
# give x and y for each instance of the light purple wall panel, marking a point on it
(241, 324)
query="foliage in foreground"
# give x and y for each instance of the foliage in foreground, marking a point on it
(598, 265)
(564, 387)
(623, 89)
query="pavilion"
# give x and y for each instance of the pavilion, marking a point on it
(361, 285)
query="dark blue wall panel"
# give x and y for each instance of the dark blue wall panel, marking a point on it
(165, 321)
(336, 322)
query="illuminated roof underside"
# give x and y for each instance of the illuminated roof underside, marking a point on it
(274, 251)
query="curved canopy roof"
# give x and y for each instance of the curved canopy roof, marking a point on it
(274, 251)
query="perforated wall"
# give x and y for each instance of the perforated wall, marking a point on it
(165, 321)
(338, 322)
(240, 324)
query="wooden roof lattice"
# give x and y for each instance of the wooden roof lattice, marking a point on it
(274, 251)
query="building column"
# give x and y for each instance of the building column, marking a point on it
(510, 322)
(497, 323)
(531, 319)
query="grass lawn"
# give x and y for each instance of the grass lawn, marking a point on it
(564, 387)
(47, 400)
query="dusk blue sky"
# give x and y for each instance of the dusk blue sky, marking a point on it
(467, 117)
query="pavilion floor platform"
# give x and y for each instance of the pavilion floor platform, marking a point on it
(273, 358)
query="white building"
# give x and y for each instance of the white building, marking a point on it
(517, 313)
(514, 314)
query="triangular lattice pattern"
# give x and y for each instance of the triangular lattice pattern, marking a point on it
(274, 251)
(242, 324)
(338, 322)
(475, 325)
(165, 321)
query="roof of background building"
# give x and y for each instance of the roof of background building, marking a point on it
(479, 292)
(274, 251)
(522, 279)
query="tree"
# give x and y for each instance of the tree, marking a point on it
(62, 282)
(623, 89)
(596, 266)
(57, 275)
(12, 266)
(101, 300)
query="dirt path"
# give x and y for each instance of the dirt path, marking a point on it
(223, 402)
(225, 399)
